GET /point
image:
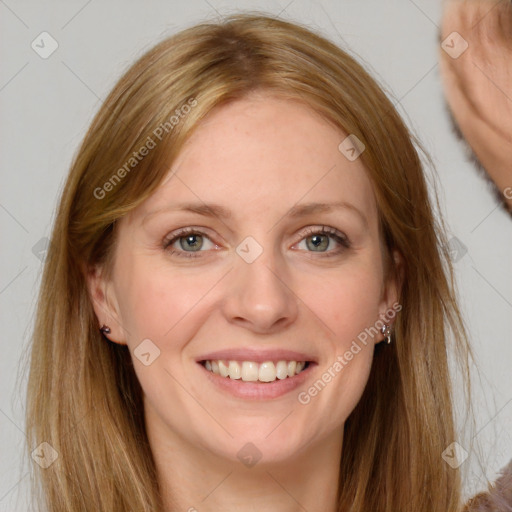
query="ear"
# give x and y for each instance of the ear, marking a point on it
(103, 298)
(389, 305)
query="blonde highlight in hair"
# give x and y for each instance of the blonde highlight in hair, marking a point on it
(83, 396)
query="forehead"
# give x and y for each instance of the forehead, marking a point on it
(265, 153)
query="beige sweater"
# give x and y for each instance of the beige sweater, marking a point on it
(498, 498)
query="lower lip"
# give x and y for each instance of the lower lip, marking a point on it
(258, 390)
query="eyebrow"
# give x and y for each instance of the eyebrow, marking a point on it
(297, 211)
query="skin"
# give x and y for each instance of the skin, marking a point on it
(478, 84)
(257, 157)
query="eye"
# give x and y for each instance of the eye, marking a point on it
(321, 239)
(188, 241)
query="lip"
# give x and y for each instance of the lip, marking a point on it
(257, 355)
(258, 390)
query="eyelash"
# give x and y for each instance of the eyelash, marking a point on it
(339, 237)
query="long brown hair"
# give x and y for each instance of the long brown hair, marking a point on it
(83, 396)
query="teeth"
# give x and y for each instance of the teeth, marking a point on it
(267, 372)
(223, 369)
(249, 371)
(235, 372)
(281, 370)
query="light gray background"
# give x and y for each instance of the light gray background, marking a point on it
(47, 104)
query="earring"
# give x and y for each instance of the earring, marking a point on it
(386, 331)
(104, 329)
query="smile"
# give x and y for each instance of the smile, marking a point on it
(250, 371)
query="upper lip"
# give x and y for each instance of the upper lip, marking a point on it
(257, 355)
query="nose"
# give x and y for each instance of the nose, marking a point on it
(259, 296)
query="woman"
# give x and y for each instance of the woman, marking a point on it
(192, 350)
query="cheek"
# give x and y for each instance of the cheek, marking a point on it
(156, 303)
(349, 307)
(347, 301)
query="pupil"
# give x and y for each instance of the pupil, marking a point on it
(192, 241)
(317, 241)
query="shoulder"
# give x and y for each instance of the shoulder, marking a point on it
(498, 498)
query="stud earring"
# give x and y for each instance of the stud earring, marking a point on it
(386, 331)
(104, 329)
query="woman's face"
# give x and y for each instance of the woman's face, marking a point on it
(262, 276)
